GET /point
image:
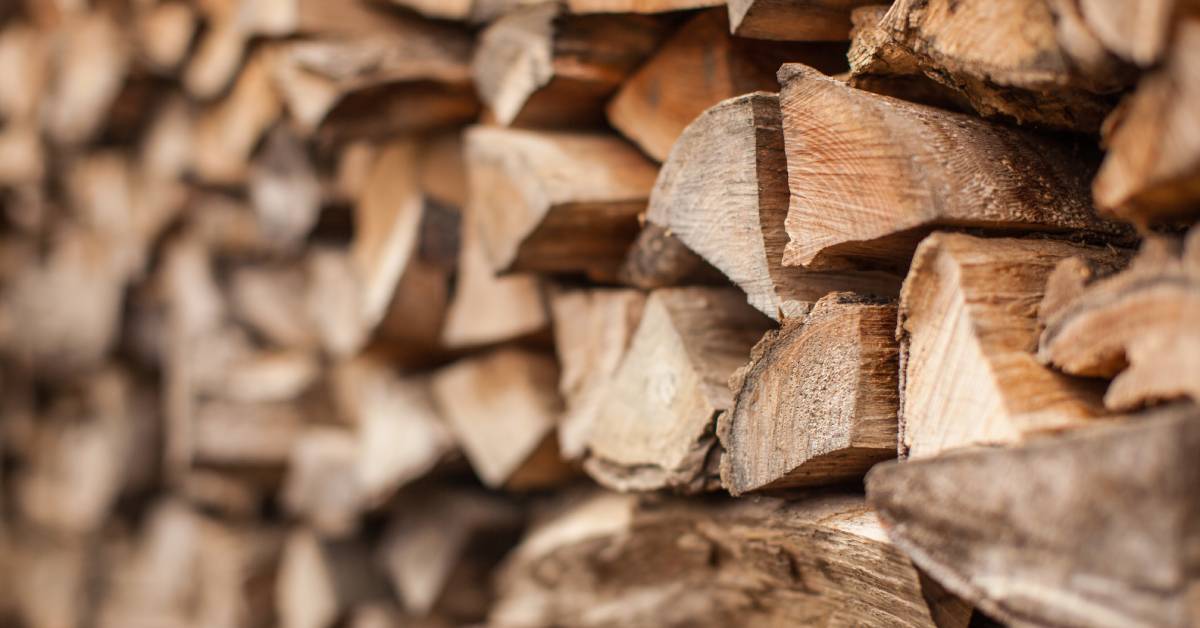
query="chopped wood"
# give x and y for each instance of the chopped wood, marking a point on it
(1088, 528)
(802, 20)
(1134, 326)
(25, 60)
(656, 426)
(616, 560)
(401, 434)
(699, 66)
(657, 259)
(535, 66)
(938, 169)
(817, 403)
(1005, 60)
(227, 434)
(637, 6)
(968, 330)
(503, 408)
(515, 305)
(556, 202)
(90, 61)
(1151, 173)
(315, 76)
(284, 189)
(320, 581)
(164, 34)
(592, 330)
(723, 193)
(322, 485)
(227, 132)
(423, 549)
(1137, 33)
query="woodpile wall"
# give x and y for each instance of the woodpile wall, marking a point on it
(518, 313)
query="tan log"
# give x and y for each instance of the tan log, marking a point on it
(227, 132)
(723, 193)
(802, 20)
(1151, 173)
(608, 559)
(656, 426)
(556, 202)
(1059, 531)
(817, 403)
(320, 581)
(503, 408)
(968, 330)
(592, 330)
(918, 168)
(1132, 325)
(1034, 65)
(535, 66)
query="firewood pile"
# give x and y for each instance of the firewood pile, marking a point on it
(522, 313)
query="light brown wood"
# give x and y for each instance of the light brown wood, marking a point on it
(555, 202)
(699, 66)
(817, 403)
(968, 331)
(535, 66)
(592, 330)
(423, 549)
(515, 305)
(284, 189)
(1151, 173)
(90, 65)
(319, 581)
(322, 485)
(227, 132)
(869, 175)
(656, 426)
(1006, 60)
(637, 6)
(401, 435)
(1134, 326)
(610, 559)
(793, 20)
(657, 259)
(503, 407)
(1059, 531)
(1138, 33)
(316, 75)
(164, 34)
(723, 194)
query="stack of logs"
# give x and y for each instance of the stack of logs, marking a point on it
(377, 313)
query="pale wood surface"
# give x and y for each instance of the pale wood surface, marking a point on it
(817, 402)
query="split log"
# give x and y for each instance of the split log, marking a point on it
(850, 200)
(1151, 173)
(322, 483)
(1005, 60)
(284, 189)
(1089, 528)
(25, 60)
(1139, 34)
(656, 426)
(817, 403)
(52, 589)
(80, 457)
(515, 304)
(319, 77)
(612, 560)
(538, 67)
(723, 193)
(968, 330)
(401, 435)
(556, 202)
(427, 552)
(164, 33)
(227, 132)
(245, 436)
(637, 6)
(657, 259)
(699, 66)
(321, 581)
(503, 407)
(90, 64)
(803, 20)
(1134, 325)
(592, 330)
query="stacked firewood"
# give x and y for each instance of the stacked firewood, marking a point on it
(380, 313)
